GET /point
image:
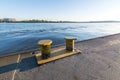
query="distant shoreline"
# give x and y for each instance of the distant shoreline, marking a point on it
(62, 22)
(10, 20)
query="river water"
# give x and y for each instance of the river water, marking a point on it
(15, 37)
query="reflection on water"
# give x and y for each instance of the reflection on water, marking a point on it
(16, 37)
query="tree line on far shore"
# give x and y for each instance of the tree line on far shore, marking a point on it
(46, 21)
(0, 20)
(33, 21)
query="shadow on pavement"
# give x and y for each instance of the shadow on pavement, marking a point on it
(25, 64)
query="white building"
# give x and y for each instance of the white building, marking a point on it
(8, 19)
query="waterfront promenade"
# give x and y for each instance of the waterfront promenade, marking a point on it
(99, 60)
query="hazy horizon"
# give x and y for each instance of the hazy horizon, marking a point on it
(61, 10)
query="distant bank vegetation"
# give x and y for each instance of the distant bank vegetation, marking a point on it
(12, 20)
(32, 21)
(0, 20)
(40, 21)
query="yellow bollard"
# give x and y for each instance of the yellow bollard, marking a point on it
(46, 55)
(45, 48)
(70, 43)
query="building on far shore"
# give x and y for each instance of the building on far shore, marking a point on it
(8, 19)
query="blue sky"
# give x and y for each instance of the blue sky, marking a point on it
(71, 10)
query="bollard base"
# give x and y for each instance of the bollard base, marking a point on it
(55, 54)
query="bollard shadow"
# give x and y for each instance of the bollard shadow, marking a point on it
(24, 65)
(27, 63)
(8, 68)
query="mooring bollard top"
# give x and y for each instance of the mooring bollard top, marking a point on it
(71, 38)
(45, 42)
